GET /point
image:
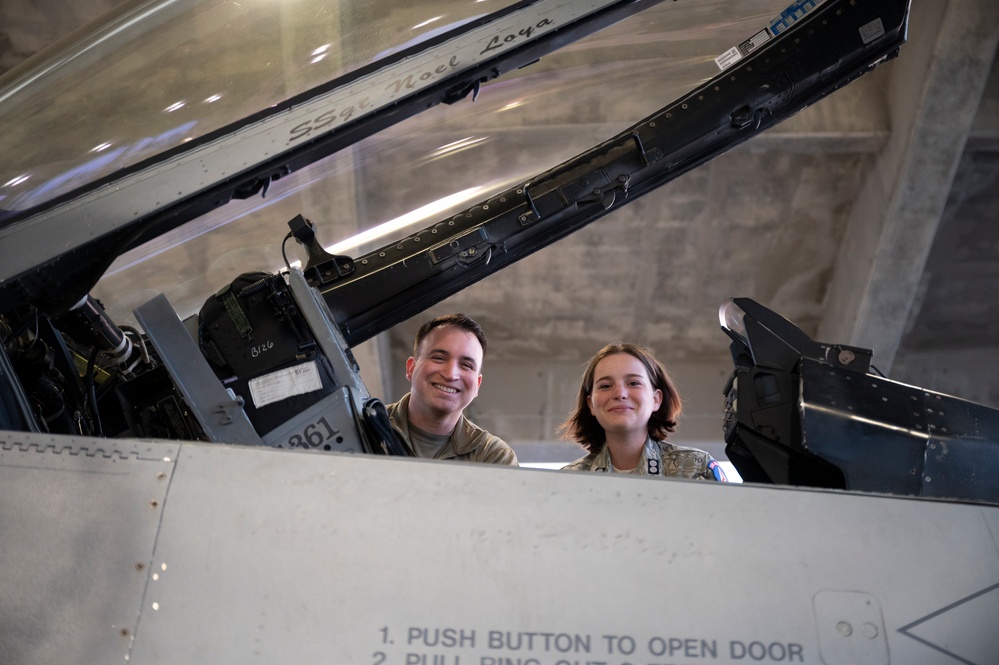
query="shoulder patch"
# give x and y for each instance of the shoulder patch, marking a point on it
(717, 471)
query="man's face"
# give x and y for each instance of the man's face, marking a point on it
(446, 371)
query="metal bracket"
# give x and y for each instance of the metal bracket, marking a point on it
(227, 411)
(465, 247)
(192, 375)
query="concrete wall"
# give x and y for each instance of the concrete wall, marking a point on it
(970, 374)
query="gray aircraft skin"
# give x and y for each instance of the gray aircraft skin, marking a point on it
(154, 508)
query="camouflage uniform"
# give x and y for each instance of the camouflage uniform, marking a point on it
(659, 458)
(467, 443)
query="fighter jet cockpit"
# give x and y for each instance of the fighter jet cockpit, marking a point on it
(192, 184)
(221, 223)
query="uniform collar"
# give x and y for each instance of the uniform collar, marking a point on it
(651, 463)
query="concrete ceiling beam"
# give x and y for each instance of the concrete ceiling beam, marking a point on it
(985, 129)
(934, 93)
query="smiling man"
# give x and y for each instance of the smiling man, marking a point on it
(445, 371)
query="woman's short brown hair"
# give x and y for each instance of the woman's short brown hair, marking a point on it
(582, 426)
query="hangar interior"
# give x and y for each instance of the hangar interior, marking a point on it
(867, 219)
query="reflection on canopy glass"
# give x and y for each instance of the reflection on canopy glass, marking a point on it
(167, 73)
(449, 157)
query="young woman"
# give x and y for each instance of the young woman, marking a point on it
(627, 406)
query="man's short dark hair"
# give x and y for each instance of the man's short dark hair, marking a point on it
(457, 320)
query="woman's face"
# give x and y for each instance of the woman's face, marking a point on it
(623, 398)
